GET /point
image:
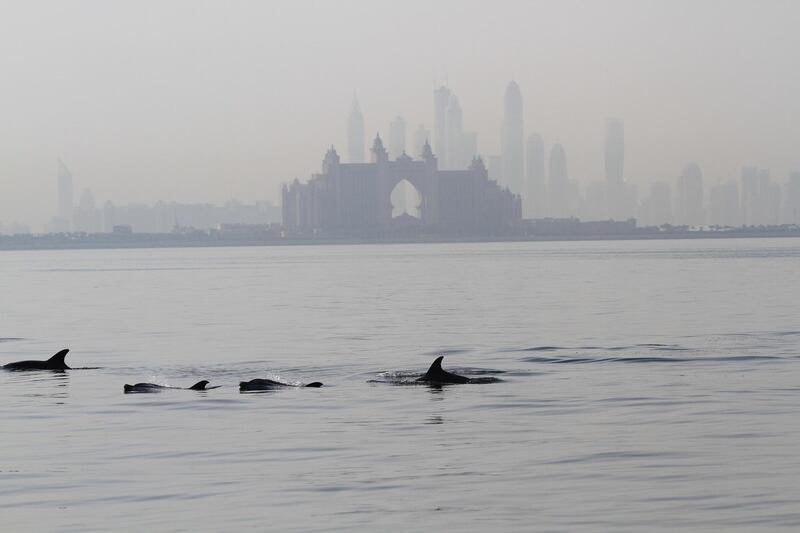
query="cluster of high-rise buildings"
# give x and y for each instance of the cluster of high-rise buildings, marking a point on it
(752, 200)
(539, 174)
(161, 217)
(438, 178)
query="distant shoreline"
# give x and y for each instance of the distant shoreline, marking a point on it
(168, 240)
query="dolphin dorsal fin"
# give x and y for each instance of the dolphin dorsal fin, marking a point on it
(200, 385)
(436, 366)
(58, 358)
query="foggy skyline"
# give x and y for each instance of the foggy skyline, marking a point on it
(199, 101)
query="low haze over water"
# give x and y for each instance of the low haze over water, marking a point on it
(647, 385)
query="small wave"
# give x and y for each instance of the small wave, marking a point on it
(617, 456)
(11, 339)
(648, 345)
(709, 359)
(449, 351)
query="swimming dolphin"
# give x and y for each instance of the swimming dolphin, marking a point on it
(54, 363)
(152, 387)
(436, 374)
(269, 384)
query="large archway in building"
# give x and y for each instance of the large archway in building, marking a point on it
(406, 200)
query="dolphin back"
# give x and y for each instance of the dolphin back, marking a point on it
(56, 362)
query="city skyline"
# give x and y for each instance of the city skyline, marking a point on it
(544, 192)
(195, 126)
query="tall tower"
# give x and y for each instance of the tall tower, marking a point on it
(615, 150)
(441, 100)
(558, 184)
(512, 139)
(397, 138)
(689, 196)
(65, 194)
(455, 128)
(355, 134)
(534, 198)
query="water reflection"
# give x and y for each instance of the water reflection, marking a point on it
(436, 390)
(41, 384)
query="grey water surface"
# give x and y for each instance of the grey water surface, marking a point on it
(647, 386)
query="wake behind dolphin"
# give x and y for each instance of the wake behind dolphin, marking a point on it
(436, 376)
(54, 363)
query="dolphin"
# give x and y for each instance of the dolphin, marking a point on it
(269, 384)
(54, 363)
(152, 387)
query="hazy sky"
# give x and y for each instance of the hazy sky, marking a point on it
(204, 101)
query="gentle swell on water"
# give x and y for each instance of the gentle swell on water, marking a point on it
(698, 433)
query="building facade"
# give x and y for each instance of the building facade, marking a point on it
(512, 135)
(355, 199)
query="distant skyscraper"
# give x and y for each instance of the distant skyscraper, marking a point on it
(513, 167)
(441, 101)
(355, 134)
(454, 128)
(615, 150)
(495, 167)
(65, 195)
(760, 198)
(770, 199)
(421, 137)
(397, 138)
(534, 200)
(656, 208)
(791, 205)
(468, 149)
(595, 207)
(558, 183)
(620, 197)
(723, 205)
(689, 197)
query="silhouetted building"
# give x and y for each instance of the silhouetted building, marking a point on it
(397, 138)
(62, 222)
(558, 186)
(615, 151)
(791, 209)
(689, 197)
(535, 197)
(760, 198)
(86, 217)
(355, 133)
(724, 205)
(454, 128)
(421, 137)
(594, 206)
(355, 199)
(620, 196)
(513, 166)
(441, 101)
(494, 165)
(656, 208)
(455, 147)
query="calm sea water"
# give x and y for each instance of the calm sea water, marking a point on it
(647, 386)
